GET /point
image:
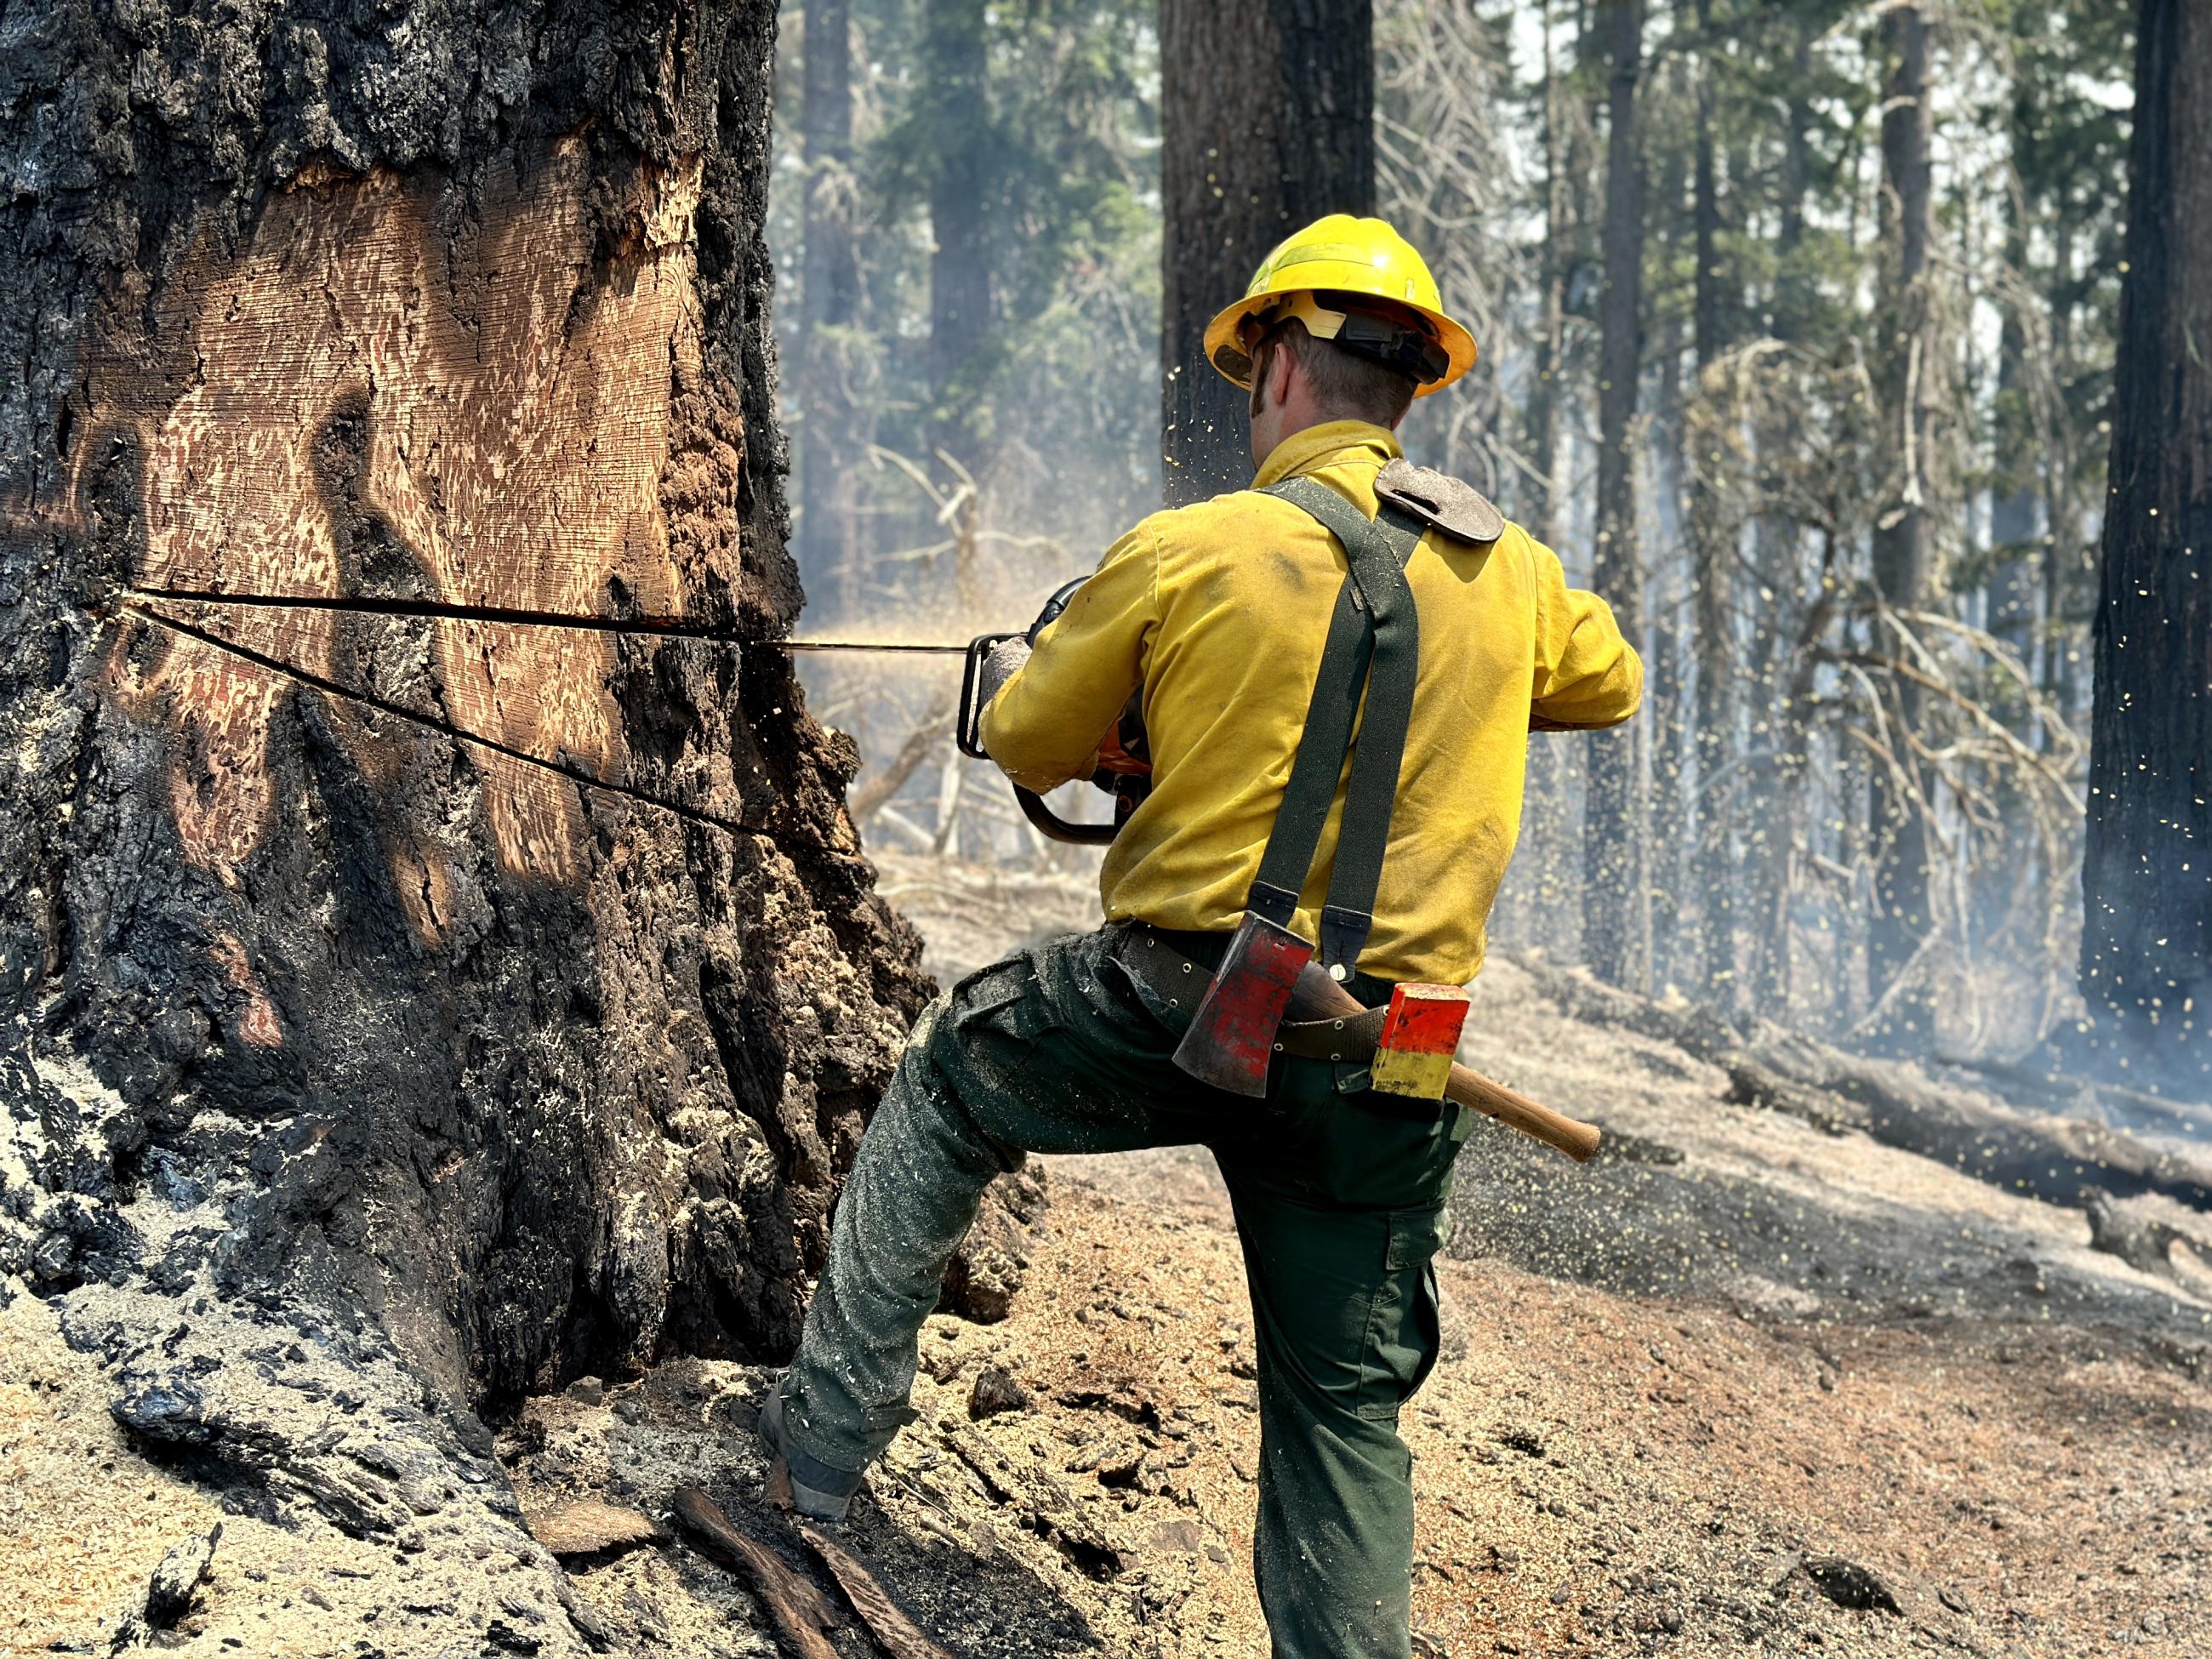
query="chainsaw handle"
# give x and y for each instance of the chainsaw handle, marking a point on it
(967, 730)
(1053, 827)
(967, 737)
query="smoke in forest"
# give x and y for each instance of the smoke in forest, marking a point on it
(1878, 263)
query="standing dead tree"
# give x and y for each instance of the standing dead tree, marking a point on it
(1905, 561)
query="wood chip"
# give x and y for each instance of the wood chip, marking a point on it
(800, 1612)
(884, 1618)
(586, 1527)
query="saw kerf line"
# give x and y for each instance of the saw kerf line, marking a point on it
(672, 628)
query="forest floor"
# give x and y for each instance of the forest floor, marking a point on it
(1699, 1397)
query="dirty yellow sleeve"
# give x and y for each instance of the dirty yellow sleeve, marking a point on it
(1586, 674)
(1044, 725)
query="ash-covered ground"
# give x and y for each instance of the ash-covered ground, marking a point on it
(1746, 1385)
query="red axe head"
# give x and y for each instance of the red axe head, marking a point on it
(1232, 1035)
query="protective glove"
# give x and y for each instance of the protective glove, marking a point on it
(1001, 665)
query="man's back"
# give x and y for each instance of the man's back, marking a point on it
(1219, 610)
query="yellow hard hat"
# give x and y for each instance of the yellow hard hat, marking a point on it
(1354, 259)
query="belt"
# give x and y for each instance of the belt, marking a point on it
(1175, 966)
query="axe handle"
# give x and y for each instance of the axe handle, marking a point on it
(1578, 1140)
(1317, 996)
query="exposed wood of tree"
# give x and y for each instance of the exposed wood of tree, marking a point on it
(1267, 119)
(2147, 869)
(830, 291)
(1904, 539)
(1617, 921)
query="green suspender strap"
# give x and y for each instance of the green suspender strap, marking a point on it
(1373, 648)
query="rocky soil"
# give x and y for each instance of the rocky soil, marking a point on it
(1742, 1385)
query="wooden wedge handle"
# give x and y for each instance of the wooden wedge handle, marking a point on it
(1317, 996)
(1578, 1140)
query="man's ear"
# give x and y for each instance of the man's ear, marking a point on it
(1263, 371)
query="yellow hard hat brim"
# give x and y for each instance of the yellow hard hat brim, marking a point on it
(1224, 346)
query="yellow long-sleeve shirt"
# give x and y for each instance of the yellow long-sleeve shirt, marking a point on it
(1219, 610)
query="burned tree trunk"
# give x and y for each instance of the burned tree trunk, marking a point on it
(2147, 869)
(1713, 554)
(428, 923)
(1267, 109)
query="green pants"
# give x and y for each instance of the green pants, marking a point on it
(1338, 1205)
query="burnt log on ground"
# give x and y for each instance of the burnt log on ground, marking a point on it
(2061, 1159)
(435, 961)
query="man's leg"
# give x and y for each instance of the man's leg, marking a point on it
(1339, 1219)
(1017, 1059)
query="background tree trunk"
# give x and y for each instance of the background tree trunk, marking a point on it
(1268, 117)
(1617, 917)
(1779, 736)
(1712, 556)
(1546, 490)
(830, 293)
(955, 65)
(1904, 539)
(425, 927)
(2147, 870)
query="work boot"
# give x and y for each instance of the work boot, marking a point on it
(796, 1481)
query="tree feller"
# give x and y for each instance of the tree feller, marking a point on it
(1337, 670)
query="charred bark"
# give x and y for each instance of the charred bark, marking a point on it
(2146, 868)
(1268, 117)
(431, 941)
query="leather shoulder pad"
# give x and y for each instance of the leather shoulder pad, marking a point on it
(1461, 512)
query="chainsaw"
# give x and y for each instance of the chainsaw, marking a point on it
(1125, 766)
(1124, 771)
